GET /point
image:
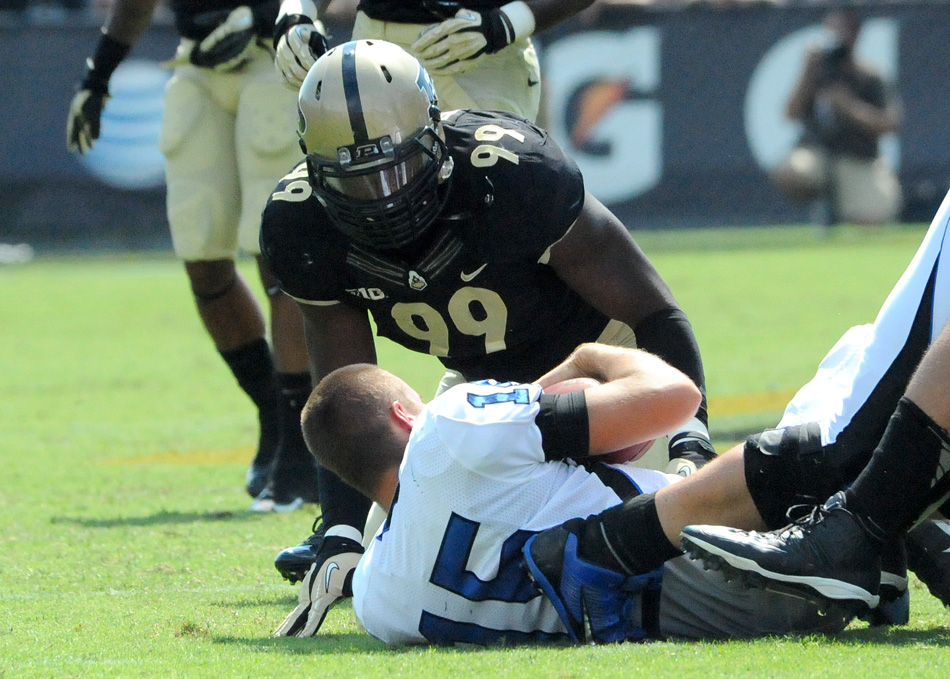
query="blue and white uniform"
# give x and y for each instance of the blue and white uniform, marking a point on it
(474, 485)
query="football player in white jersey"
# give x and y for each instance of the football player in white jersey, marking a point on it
(469, 478)
(467, 235)
(825, 440)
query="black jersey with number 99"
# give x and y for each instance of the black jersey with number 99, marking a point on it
(478, 294)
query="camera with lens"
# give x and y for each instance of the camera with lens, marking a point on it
(834, 53)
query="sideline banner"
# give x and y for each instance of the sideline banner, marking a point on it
(675, 118)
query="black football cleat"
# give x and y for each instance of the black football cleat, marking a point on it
(825, 553)
(596, 604)
(928, 556)
(255, 479)
(894, 607)
(294, 562)
(288, 489)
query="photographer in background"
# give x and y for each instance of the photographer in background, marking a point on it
(845, 108)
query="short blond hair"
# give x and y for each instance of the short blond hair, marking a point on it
(347, 427)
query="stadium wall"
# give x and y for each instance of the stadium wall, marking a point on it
(674, 116)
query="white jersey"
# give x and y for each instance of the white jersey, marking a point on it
(866, 372)
(473, 487)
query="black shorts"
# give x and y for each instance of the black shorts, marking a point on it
(790, 466)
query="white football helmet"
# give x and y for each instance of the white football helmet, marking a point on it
(369, 124)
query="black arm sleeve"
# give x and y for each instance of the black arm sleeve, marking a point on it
(565, 431)
(669, 335)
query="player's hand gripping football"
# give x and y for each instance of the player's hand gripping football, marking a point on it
(85, 115)
(326, 584)
(451, 46)
(229, 46)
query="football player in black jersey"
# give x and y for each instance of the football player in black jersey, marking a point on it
(226, 140)
(478, 52)
(466, 235)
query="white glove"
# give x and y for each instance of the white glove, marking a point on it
(298, 49)
(229, 47)
(325, 585)
(451, 46)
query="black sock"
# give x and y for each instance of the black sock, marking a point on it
(340, 503)
(294, 392)
(627, 537)
(905, 478)
(253, 368)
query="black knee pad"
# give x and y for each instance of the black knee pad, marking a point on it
(786, 467)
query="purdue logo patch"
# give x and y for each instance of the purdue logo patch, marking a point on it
(417, 282)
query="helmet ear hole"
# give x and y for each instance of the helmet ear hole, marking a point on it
(386, 74)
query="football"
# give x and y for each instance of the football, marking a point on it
(628, 454)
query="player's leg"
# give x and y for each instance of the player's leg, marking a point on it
(909, 446)
(698, 603)
(586, 566)
(640, 534)
(266, 149)
(202, 198)
(291, 477)
(835, 550)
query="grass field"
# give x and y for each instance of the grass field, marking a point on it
(126, 550)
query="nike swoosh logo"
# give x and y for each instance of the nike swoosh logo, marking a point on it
(330, 568)
(469, 276)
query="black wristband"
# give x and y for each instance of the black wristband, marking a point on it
(499, 33)
(107, 57)
(668, 334)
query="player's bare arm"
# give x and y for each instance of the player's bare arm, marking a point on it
(639, 398)
(599, 260)
(337, 335)
(129, 19)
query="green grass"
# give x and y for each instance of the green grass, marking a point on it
(126, 551)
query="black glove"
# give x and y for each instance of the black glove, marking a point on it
(85, 110)
(85, 113)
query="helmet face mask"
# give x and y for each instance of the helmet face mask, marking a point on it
(369, 122)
